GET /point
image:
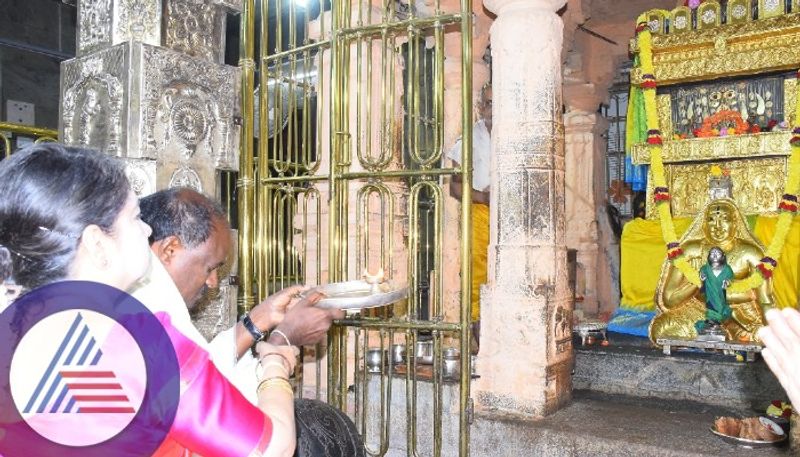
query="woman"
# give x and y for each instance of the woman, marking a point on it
(69, 214)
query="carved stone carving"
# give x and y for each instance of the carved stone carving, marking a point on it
(196, 28)
(92, 101)
(141, 174)
(188, 106)
(182, 109)
(94, 24)
(138, 20)
(185, 176)
(105, 23)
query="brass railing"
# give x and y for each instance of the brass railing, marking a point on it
(348, 179)
(9, 130)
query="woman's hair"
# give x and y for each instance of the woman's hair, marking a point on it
(49, 193)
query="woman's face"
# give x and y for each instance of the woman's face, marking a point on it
(129, 234)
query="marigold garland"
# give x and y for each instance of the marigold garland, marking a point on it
(709, 123)
(788, 205)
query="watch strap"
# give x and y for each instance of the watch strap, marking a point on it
(251, 328)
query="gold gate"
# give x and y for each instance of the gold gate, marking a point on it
(342, 173)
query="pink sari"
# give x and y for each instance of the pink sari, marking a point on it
(213, 418)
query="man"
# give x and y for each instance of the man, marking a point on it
(191, 240)
(481, 179)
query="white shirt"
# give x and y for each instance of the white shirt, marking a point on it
(159, 293)
(481, 156)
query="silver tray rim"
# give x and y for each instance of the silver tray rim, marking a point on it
(369, 301)
(746, 442)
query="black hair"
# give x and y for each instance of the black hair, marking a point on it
(49, 193)
(181, 212)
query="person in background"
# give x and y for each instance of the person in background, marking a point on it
(481, 180)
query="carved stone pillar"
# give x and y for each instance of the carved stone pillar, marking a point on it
(581, 135)
(149, 86)
(526, 347)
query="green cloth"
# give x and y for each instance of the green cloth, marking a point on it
(717, 308)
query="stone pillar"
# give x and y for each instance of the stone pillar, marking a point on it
(526, 347)
(581, 131)
(149, 85)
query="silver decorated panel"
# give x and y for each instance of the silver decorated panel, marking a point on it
(94, 100)
(105, 23)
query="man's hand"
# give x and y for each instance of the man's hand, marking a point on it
(306, 324)
(782, 352)
(270, 312)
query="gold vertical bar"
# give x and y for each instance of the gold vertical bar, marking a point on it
(246, 169)
(335, 335)
(466, 219)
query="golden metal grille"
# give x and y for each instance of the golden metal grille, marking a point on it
(8, 130)
(347, 177)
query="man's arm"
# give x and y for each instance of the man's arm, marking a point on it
(457, 187)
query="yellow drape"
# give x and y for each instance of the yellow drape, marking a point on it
(480, 247)
(643, 252)
(786, 277)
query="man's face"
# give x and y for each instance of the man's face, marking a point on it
(194, 270)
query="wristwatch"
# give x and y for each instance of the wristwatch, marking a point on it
(257, 334)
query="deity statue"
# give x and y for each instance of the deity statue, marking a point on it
(716, 276)
(682, 304)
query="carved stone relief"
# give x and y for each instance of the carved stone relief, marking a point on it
(188, 108)
(92, 101)
(94, 24)
(141, 175)
(195, 28)
(138, 20)
(105, 23)
(186, 176)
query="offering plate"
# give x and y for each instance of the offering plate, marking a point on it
(747, 443)
(358, 294)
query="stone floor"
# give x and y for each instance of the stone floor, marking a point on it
(598, 424)
(630, 400)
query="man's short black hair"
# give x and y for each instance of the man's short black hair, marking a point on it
(180, 212)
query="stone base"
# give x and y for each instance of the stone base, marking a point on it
(631, 366)
(594, 424)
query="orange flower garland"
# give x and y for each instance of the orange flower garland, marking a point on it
(729, 116)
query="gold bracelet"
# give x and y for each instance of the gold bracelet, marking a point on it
(279, 382)
(275, 364)
(289, 365)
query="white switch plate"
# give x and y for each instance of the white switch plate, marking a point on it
(20, 112)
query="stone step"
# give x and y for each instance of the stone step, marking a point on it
(633, 367)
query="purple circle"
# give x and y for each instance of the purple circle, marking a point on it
(145, 433)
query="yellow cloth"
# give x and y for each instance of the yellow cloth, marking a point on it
(480, 247)
(643, 251)
(786, 277)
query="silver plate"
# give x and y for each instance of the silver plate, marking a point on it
(744, 442)
(358, 295)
